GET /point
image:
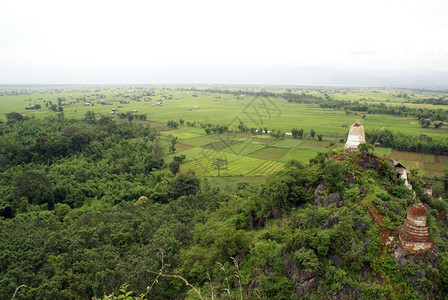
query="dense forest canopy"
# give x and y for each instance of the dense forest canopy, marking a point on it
(88, 205)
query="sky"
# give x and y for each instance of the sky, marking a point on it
(131, 41)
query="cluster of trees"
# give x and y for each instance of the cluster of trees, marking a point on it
(57, 160)
(381, 108)
(131, 116)
(433, 101)
(172, 124)
(297, 133)
(209, 128)
(289, 96)
(87, 207)
(328, 102)
(426, 123)
(405, 142)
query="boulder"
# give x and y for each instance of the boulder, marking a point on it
(305, 287)
(360, 226)
(336, 259)
(368, 161)
(306, 275)
(290, 271)
(333, 198)
(320, 189)
(276, 212)
(319, 200)
(330, 222)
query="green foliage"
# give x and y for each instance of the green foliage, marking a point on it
(184, 184)
(172, 124)
(307, 259)
(335, 278)
(335, 176)
(388, 264)
(352, 194)
(85, 205)
(406, 142)
(230, 242)
(220, 164)
(376, 292)
(365, 147)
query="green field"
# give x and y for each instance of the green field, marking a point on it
(248, 154)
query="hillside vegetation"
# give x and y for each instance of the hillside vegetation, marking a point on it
(88, 206)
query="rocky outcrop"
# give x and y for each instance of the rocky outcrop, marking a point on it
(305, 287)
(320, 189)
(334, 198)
(414, 235)
(330, 222)
(368, 161)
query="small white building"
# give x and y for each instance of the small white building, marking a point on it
(356, 136)
(402, 173)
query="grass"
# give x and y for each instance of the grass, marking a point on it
(302, 155)
(429, 164)
(237, 166)
(271, 153)
(204, 140)
(275, 114)
(319, 144)
(248, 154)
(244, 148)
(181, 134)
(268, 168)
(288, 143)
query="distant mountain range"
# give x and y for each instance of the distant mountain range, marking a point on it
(276, 75)
(416, 78)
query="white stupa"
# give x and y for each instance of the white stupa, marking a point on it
(355, 137)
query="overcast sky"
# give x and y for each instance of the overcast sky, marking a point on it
(94, 41)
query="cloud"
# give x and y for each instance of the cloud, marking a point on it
(82, 36)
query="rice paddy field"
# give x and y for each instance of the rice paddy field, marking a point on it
(250, 156)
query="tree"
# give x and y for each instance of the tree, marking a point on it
(295, 133)
(242, 127)
(35, 187)
(173, 141)
(319, 137)
(184, 184)
(172, 124)
(14, 117)
(425, 123)
(219, 164)
(300, 133)
(438, 125)
(129, 116)
(157, 150)
(174, 167)
(89, 116)
(312, 133)
(365, 147)
(175, 164)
